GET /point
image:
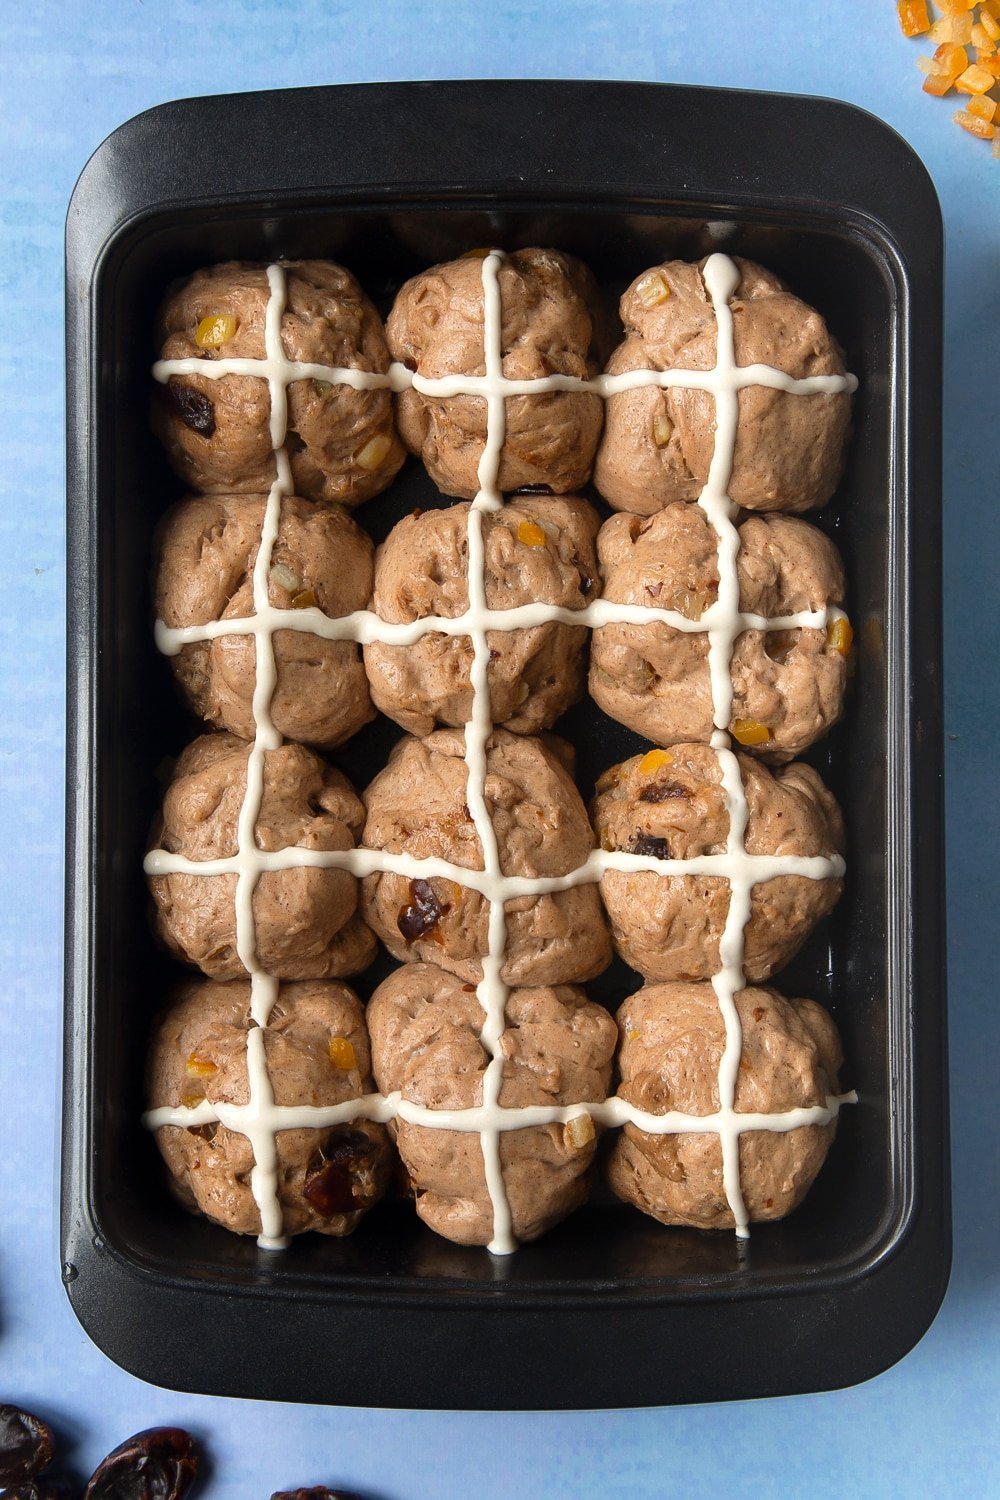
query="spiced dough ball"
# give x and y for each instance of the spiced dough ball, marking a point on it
(553, 322)
(341, 442)
(418, 806)
(656, 679)
(557, 1049)
(658, 444)
(538, 549)
(305, 919)
(317, 1051)
(671, 804)
(207, 552)
(673, 1037)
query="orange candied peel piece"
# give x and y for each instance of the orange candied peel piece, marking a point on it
(840, 635)
(198, 1066)
(341, 1053)
(981, 107)
(955, 7)
(952, 29)
(305, 599)
(913, 17)
(975, 80)
(989, 24)
(653, 760)
(632, 1035)
(215, 329)
(578, 1132)
(981, 128)
(531, 534)
(750, 732)
(480, 252)
(652, 289)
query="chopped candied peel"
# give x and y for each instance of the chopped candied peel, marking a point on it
(322, 387)
(653, 760)
(215, 330)
(840, 635)
(962, 24)
(531, 534)
(374, 453)
(750, 732)
(632, 1035)
(199, 1067)
(578, 1132)
(652, 289)
(479, 253)
(304, 599)
(913, 17)
(341, 1053)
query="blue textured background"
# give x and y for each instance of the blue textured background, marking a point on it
(70, 73)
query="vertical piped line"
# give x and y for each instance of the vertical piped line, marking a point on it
(722, 277)
(491, 991)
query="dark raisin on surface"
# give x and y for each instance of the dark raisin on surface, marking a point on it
(533, 489)
(25, 1444)
(42, 1488)
(645, 843)
(158, 1464)
(662, 791)
(206, 1132)
(340, 1177)
(586, 582)
(420, 918)
(194, 409)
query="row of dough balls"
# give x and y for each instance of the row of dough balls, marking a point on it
(646, 448)
(321, 923)
(421, 1037)
(788, 686)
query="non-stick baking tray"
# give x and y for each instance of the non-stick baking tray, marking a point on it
(611, 1309)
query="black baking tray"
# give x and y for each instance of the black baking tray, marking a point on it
(610, 1309)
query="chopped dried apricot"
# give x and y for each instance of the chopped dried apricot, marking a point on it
(374, 452)
(531, 534)
(215, 329)
(975, 80)
(341, 1053)
(840, 635)
(653, 760)
(652, 289)
(981, 128)
(750, 732)
(913, 16)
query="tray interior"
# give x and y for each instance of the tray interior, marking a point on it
(607, 1246)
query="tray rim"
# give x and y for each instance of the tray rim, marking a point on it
(112, 202)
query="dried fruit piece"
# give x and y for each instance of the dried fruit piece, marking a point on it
(840, 635)
(341, 1051)
(578, 1132)
(341, 1177)
(531, 534)
(663, 429)
(981, 128)
(981, 107)
(663, 791)
(374, 453)
(322, 387)
(216, 329)
(316, 1492)
(192, 1100)
(653, 760)
(25, 1444)
(42, 1488)
(975, 80)
(750, 732)
(195, 410)
(955, 7)
(479, 253)
(645, 843)
(989, 24)
(421, 917)
(913, 17)
(283, 576)
(158, 1464)
(652, 289)
(952, 29)
(199, 1067)
(305, 599)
